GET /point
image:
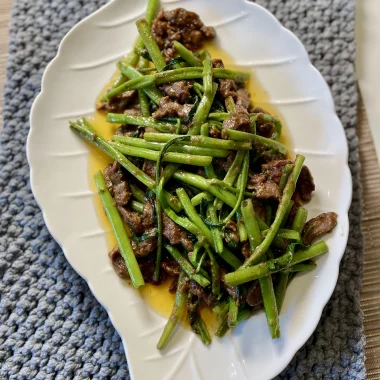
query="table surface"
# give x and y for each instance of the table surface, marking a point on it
(370, 178)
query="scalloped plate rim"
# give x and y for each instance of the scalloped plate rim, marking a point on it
(50, 224)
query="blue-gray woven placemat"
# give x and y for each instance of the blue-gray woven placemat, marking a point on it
(51, 326)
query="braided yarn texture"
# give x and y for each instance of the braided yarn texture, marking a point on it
(51, 326)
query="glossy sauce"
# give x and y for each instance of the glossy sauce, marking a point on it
(158, 297)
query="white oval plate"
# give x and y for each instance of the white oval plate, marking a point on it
(59, 177)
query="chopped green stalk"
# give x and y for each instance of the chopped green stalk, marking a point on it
(200, 329)
(228, 256)
(194, 150)
(178, 311)
(201, 141)
(197, 73)
(168, 76)
(223, 327)
(202, 184)
(191, 212)
(288, 211)
(260, 250)
(243, 315)
(285, 234)
(284, 177)
(186, 266)
(231, 175)
(280, 290)
(216, 234)
(215, 273)
(151, 10)
(204, 129)
(270, 306)
(137, 193)
(151, 91)
(252, 125)
(133, 57)
(121, 118)
(241, 227)
(144, 103)
(299, 220)
(178, 158)
(203, 110)
(197, 199)
(169, 170)
(187, 55)
(207, 76)
(137, 206)
(255, 272)
(230, 104)
(219, 116)
(160, 159)
(303, 266)
(150, 44)
(266, 284)
(257, 140)
(221, 308)
(242, 183)
(254, 236)
(232, 312)
(119, 231)
(133, 84)
(85, 130)
(199, 265)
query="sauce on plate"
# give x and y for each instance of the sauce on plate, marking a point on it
(158, 297)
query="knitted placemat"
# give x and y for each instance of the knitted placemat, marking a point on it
(51, 326)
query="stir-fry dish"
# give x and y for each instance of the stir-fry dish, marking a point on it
(200, 187)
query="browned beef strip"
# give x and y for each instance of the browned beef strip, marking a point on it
(131, 131)
(171, 267)
(179, 25)
(142, 248)
(217, 63)
(305, 184)
(149, 168)
(169, 108)
(119, 103)
(148, 217)
(233, 235)
(173, 286)
(246, 250)
(264, 189)
(258, 110)
(134, 110)
(243, 100)
(254, 297)
(233, 291)
(147, 267)
(318, 226)
(132, 218)
(200, 292)
(178, 91)
(265, 129)
(214, 132)
(223, 164)
(259, 208)
(273, 169)
(175, 234)
(227, 87)
(237, 121)
(117, 184)
(118, 263)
